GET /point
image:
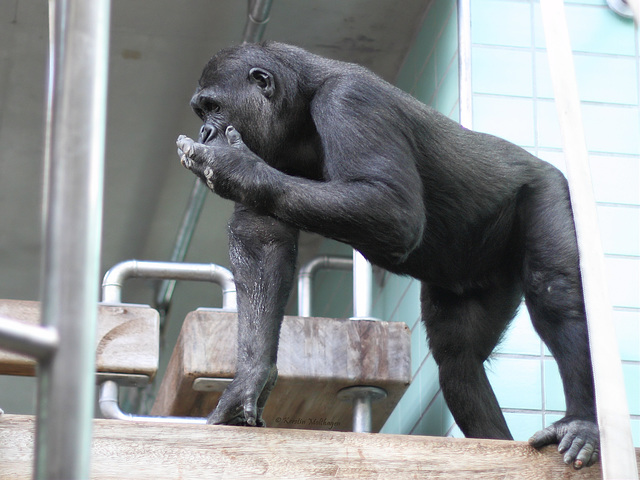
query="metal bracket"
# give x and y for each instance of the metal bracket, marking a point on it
(362, 397)
(123, 379)
(208, 384)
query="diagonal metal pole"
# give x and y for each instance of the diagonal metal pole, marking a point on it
(74, 170)
(257, 20)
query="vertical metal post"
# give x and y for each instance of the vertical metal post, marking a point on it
(362, 414)
(362, 398)
(257, 19)
(464, 63)
(74, 169)
(362, 287)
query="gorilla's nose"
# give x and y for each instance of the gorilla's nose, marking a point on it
(207, 133)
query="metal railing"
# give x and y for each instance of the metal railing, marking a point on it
(64, 344)
(112, 285)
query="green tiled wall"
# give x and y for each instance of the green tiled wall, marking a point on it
(430, 73)
(513, 98)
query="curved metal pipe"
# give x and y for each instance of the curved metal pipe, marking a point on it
(626, 8)
(305, 278)
(110, 409)
(202, 272)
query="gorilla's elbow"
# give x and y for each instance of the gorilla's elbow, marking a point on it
(404, 232)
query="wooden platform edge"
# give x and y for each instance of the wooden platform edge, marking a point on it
(126, 450)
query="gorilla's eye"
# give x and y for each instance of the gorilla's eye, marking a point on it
(199, 112)
(209, 106)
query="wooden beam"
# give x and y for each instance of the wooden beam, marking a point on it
(127, 339)
(317, 357)
(141, 451)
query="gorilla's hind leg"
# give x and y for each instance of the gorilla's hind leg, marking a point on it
(463, 330)
(553, 293)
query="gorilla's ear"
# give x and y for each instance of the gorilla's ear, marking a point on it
(264, 80)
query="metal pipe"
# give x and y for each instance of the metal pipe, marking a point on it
(464, 63)
(362, 398)
(306, 274)
(618, 455)
(110, 409)
(35, 341)
(74, 172)
(257, 18)
(362, 414)
(201, 272)
(362, 287)
(626, 9)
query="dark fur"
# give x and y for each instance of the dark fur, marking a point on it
(329, 147)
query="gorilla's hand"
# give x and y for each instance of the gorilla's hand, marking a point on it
(243, 400)
(578, 438)
(225, 163)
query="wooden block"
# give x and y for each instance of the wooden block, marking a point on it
(150, 451)
(127, 338)
(317, 358)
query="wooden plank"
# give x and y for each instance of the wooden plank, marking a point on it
(127, 338)
(317, 358)
(127, 450)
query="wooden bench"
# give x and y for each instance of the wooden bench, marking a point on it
(127, 341)
(317, 358)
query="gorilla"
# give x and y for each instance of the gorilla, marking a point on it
(302, 142)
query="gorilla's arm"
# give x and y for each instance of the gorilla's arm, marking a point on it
(262, 252)
(338, 209)
(271, 207)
